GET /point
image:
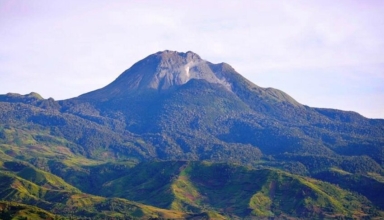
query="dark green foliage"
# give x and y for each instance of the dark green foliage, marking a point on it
(355, 164)
(366, 185)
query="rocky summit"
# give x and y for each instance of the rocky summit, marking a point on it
(162, 71)
(173, 134)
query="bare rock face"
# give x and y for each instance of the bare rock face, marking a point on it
(162, 71)
(178, 68)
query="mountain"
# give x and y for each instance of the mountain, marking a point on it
(173, 106)
(193, 109)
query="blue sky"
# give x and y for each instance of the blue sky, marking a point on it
(323, 53)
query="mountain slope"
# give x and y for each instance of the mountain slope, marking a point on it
(174, 106)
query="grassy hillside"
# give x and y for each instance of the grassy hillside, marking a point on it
(235, 191)
(14, 210)
(38, 177)
(201, 189)
(63, 199)
(49, 172)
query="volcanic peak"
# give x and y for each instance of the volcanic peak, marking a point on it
(164, 70)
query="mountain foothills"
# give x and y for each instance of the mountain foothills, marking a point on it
(178, 137)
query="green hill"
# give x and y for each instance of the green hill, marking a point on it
(235, 191)
(14, 210)
(76, 204)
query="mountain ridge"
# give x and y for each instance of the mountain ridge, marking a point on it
(155, 115)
